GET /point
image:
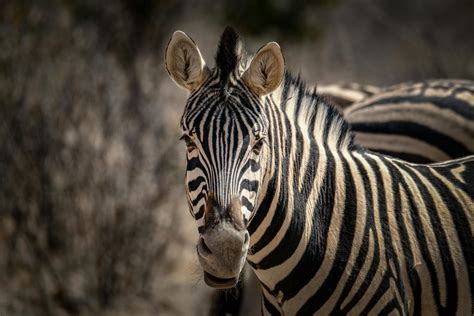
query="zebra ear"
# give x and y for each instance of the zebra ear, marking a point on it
(184, 62)
(266, 70)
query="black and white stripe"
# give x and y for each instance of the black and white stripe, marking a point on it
(334, 229)
(392, 121)
(352, 237)
(420, 122)
(223, 146)
(343, 95)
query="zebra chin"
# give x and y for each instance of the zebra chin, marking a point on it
(219, 276)
(219, 283)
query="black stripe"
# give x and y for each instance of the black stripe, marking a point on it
(193, 163)
(311, 260)
(292, 237)
(200, 213)
(247, 204)
(198, 198)
(364, 249)
(272, 310)
(442, 240)
(392, 305)
(457, 210)
(443, 142)
(377, 294)
(384, 221)
(410, 157)
(282, 206)
(345, 240)
(461, 107)
(249, 185)
(398, 183)
(193, 185)
(259, 215)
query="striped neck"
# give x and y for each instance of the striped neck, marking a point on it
(305, 136)
(311, 114)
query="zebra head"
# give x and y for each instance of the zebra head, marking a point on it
(225, 127)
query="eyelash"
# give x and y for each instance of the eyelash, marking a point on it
(189, 142)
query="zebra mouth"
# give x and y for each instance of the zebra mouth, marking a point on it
(219, 283)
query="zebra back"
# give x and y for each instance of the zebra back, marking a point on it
(343, 95)
(419, 122)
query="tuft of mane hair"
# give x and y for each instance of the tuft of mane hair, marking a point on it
(228, 53)
(315, 105)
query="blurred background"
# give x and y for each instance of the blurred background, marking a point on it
(93, 219)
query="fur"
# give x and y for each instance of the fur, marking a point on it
(228, 54)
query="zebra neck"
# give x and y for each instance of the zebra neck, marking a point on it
(294, 220)
(302, 129)
(300, 189)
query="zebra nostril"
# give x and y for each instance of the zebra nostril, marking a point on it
(246, 238)
(204, 247)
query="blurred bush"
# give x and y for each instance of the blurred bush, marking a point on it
(87, 161)
(285, 19)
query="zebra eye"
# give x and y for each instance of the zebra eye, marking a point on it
(189, 142)
(258, 146)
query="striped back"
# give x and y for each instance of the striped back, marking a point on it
(344, 95)
(419, 122)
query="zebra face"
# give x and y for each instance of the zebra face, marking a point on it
(224, 127)
(225, 139)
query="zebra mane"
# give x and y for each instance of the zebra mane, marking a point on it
(229, 54)
(312, 109)
(314, 113)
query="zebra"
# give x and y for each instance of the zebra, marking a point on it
(382, 112)
(343, 95)
(274, 178)
(421, 122)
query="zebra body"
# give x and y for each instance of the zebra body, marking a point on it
(273, 176)
(403, 121)
(420, 122)
(344, 95)
(352, 183)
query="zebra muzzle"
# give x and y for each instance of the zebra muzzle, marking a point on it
(222, 252)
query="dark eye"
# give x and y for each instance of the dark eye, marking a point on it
(258, 146)
(189, 142)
